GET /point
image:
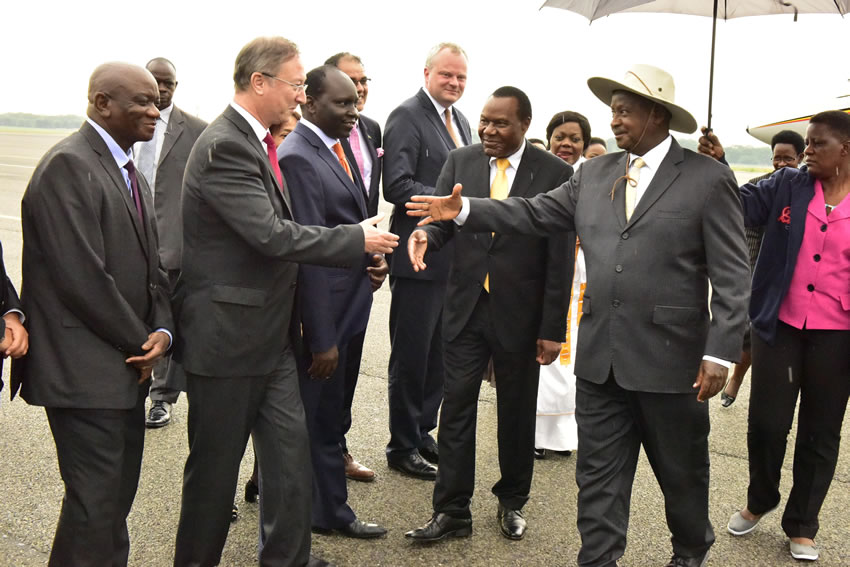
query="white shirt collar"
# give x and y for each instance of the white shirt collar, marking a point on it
(441, 110)
(165, 113)
(656, 155)
(259, 130)
(120, 156)
(514, 158)
(329, 142)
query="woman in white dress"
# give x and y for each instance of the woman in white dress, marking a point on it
(567, 134)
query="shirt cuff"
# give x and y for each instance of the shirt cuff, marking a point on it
(720, 361)
(464, 212)
(20, 313)
(170, 336)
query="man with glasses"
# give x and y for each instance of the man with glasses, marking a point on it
(162, 160)
(363, 147)
(233, 304)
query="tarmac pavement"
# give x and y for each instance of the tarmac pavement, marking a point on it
(32, 491)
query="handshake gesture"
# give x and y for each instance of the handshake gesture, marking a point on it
(377, 241)
(432, 209)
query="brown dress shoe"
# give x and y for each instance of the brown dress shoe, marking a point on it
(356, 471)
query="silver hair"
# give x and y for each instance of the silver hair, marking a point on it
(453, 47)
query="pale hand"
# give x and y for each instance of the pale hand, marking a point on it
(417, 244)
(156, 346)
(19, 343)
(435, 209)
(377, 241)
(710, 380)
(547, 351)
(710, 145)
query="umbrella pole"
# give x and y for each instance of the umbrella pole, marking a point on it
(711, 71)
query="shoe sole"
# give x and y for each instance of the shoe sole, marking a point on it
(745, 532)
(410, 474)
(360, 479)
(512, 537)
(804, 557)
(460, 532)
(156, 424)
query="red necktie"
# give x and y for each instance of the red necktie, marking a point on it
(134, 189)
(272, 149)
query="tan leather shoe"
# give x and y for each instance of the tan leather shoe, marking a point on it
(356, 471)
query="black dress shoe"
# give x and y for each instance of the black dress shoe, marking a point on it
(441, 526)
(430, 453)
(680, 561)
(539, 453)
(356, 529)
(251, 491)
(511, 523)
(414, 465)
(316, 562)
(234, 513)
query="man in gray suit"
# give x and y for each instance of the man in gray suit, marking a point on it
(658, 224)
(162, 160)
(419, 136)
(233, 306)
(97, 310)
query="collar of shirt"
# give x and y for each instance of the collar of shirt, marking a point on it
(165, 114)
(441, 110)
(120, 156)
(259, 130)
(652, 160)
(514, 159)
(328, 141)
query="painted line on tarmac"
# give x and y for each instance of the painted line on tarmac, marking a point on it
(14, 165)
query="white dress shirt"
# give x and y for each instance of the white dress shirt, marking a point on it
(158, 137)
(441, 110)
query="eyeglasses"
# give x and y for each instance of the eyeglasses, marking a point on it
(363, 82)
(297, 88)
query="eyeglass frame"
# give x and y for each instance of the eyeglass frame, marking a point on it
(297, 88)
(362, 82)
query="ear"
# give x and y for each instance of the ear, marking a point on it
(258, 82)
(525, 125)
(103, 104)
(309, 105)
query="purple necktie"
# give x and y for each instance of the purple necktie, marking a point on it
(354, 141)
(134, 189)
(271, 148)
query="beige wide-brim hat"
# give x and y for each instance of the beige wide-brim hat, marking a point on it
(649, 82)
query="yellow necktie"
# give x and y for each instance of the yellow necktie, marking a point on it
(451, 128)
(498, 191)
(631, 186)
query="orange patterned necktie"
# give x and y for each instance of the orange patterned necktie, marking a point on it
(342, 161)
(451, 128)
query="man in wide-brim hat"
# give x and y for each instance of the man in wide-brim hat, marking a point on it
(658, 225)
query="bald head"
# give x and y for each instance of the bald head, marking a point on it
(122, 100)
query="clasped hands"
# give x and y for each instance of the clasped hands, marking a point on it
(15, 343)
(156, 346)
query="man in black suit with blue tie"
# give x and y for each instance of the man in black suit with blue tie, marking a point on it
(333, 303)
(420, 134)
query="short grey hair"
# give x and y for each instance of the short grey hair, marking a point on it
(453, 47)
(261, 55)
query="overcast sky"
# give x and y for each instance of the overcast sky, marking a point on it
(767, 68)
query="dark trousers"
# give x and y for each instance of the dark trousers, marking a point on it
(222, 413)
(168, 376)
(816, 366)
(517, 376)
(613, 423)
(100, 457)
(352, 371)
(324, 403)
(416, 369)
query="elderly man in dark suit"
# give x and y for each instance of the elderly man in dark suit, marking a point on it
(98, 312)
(507, 300)
(162, 160)
(420, 134)
(362, 147)
(658, 224)
(333, 303)
(233, 305)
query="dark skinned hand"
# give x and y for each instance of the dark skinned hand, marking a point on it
(710, 380)
(434, 209)
(156, 346)
(547, 351)
(378, 271)
(709, 144)
(324, 364)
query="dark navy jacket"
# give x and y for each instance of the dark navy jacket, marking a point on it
(779, 204)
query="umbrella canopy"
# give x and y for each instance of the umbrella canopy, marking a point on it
(726, 9)
(716, 9)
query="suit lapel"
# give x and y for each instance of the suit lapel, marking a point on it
(616, 181)
(325, 154)
(436, 120)
(172, 133)
(524, 177)
(667, 172)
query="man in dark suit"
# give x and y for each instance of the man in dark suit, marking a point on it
(333, 303)
(654, 239)
(233, 306)
(14, 339)
(363, 147)
(420, 134)
(97, 305)
(507, 301)
(162, 160)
